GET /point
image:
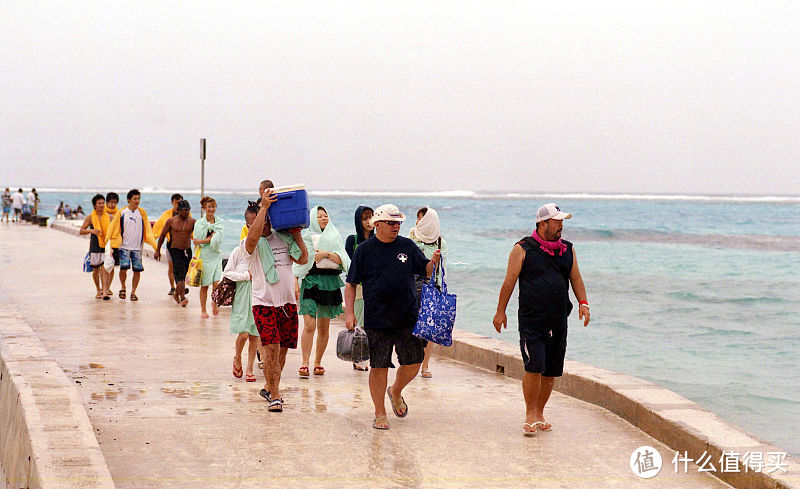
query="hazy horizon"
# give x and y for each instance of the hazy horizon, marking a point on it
(538, 98)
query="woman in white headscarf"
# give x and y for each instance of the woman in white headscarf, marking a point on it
(426, 234)
(320, 296)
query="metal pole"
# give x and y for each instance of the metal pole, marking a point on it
(202, 167)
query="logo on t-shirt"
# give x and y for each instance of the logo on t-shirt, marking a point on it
(402, 257)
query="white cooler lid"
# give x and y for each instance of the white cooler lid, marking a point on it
(288, 188)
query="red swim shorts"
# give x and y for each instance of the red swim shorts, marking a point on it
(277, 324)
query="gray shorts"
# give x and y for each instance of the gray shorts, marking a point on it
(96, 259)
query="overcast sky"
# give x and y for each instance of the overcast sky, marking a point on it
(608, 97)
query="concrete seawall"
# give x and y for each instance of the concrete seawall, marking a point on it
(677, 422)
(46, 439)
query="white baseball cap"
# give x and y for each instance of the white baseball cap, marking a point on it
(387, 212)
(551, 211)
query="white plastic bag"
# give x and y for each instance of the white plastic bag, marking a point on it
(108, 259)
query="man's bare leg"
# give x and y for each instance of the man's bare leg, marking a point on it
(272, 369)
(96, 279)
(377, 389)
(536, 390)
(180, 294)
(405, 374)
(135, 282)
(171, 274)
(109, 281)
(123, 277)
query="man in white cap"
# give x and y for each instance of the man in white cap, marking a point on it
(545, 265)
(386, 265)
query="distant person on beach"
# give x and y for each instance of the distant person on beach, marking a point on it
(129, 230)
(427, 236)
(79, 213)
(545, 265)
(33, 202)
(180, 229)
(158, 226)
(243, 325)
(112, 198)
(207, 235)
(364, 231)
(96, 224)
(264, 185)
(17, 201)
(270, 255)
(385, 265)
(320, 284)
(6, 204)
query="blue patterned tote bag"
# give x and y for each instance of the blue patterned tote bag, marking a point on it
(87, 263)
(437, 312)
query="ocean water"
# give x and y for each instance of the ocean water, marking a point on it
(698, 294)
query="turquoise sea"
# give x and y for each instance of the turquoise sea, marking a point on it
(698, 294)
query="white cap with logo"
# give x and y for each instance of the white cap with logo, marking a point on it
(551, 211)
(387, 212)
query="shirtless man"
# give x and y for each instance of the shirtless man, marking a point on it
(180, 229)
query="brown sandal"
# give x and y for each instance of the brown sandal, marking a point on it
(134, 298)
(381, 423)
(319, 370)
(303, 371)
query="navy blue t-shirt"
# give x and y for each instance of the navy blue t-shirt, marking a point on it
(386, 272)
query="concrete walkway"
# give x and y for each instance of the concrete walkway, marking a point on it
(156, 382)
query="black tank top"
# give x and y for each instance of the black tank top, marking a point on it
(543, 288)
(94, 243)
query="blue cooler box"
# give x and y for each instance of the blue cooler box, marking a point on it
(291, 209)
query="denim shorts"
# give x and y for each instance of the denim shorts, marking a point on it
(130, 259)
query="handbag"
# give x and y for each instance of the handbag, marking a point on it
(87, 262)
(437, 312)
(224, 293)
(353, 345)
(195, 274)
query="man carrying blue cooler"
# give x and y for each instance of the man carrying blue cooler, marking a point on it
(270, 256)
(386, 266)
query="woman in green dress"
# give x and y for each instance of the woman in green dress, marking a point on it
(320, 297)
(207, 236)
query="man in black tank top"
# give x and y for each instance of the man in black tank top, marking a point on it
(545, 265)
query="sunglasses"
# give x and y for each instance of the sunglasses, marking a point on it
(392, 223)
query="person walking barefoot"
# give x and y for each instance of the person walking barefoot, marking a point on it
(208, 232)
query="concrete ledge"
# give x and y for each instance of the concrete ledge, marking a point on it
(46, 439)
(668, 417)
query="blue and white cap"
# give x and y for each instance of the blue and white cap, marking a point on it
(387, 212)
(551, 211)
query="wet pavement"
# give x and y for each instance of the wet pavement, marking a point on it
(156, 382)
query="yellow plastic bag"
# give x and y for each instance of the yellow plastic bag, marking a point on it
(195, 274)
